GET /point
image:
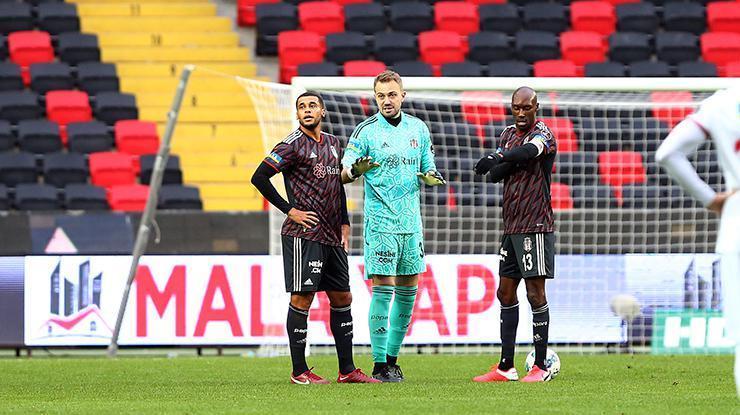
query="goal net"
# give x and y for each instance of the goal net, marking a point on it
(635, 266)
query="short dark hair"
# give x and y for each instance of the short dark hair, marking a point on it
(310, 94)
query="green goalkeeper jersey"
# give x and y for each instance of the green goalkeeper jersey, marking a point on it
(392, 202)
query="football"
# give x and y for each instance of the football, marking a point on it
(552, 362)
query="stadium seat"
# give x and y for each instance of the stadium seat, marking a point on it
(499, 18)
(246, 11)
(363, 68)
(47, 77)
(665, 108)
(88, 137)
(562, 128)
(35, 196)
(649, 69)
(112, 106)
(179, 197)
(85, 197)
(582, 47)
(593, 16)
(319, 69)
(392, 47)
(642, 196)
(439, 47)
(642, 134)
(17, 168)
(365, 18)
(15, 17)
(454, 16)
(136, 137)
(75, 48)
(684, 17)
(696, 69)
(345, 46)
(273, 19)
(723, 16)
(3, 48)
(560, 198)
(509, 68)
(485, 47)
(547, 17)
(109, 168)
(94, 77)
(592, 196)
(576, 168)
(295, 48)
(482, 107)
(7, 138)
(39, 136)
(629, 47)
(413, 68)
(128, 197)
(64, 107)
(19, 105)
(605, 69)
(532, 46)
(172, 173)
(675, 47)
(637, 17)
(10, 77)
(596, 134)
(30, 47)
(732, 69)
(462, 69)
(61, 169)
(411, 16)
(57, 18)
(5, 203)
(322, 17)
(555, 68)
(720, 48)
(617, 168)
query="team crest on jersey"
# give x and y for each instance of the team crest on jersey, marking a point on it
(527, 244)
(334, 152)
(413, 143)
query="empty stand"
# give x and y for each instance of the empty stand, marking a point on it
(462, 69)
(684, 17)
(555, 68)
(64, 107)
(35, 196)
(627, 47)
(75, 48)
(499, 18)
(10, 77)
(61, 169)
(17, 168)
(15, 17)
(112, 106)
(637, 17)
(487, 47)
(7, 138)
(723, 16)
(47, 77)
(593, 16)
(617, 168)
(39, 136)
(413, 68)
(545, 16)
(179, 197)
(136, 137)
(108, 169)
(392, 47)
(85, 197)
(88, 137)
(128, 198)
(172, 173)
(322, 17)
(582, 47)
(295, 48)
(19, 105)
(454, 16)
(366, 18)
(675, 47)
(696, 69)
(605, 69)
(593, 197)
(648, 69)
(247, 13)
(411, 16)
(509, 68)
(720, 48)
(30, 47)
(532, 46)
(319, 69)
(94, 77)
(564, 132)
(273, 19)
(439, 47)
(560, 196)
(345, 46)
(57, 18)
(671, 106)
(482, 107)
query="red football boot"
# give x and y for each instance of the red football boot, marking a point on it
(537, 375)
(308, 378)
(498, 375)
(356, 376)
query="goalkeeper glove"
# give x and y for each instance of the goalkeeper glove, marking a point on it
(432, 178)
(361, 166)
(488, 162)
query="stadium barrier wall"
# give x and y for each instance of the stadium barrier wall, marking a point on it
(239, 300)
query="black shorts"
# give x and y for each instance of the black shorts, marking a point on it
(528, 255)
(311, 266)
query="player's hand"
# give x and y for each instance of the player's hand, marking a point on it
(303, 218)
(363, 165)
(488, 162)
(432, 178)
(345, 237)
(719, 201)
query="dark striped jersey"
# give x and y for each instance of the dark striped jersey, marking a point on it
(527, 206)
(311, 170)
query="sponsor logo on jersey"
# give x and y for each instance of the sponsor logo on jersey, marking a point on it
(319, 171)
(527, 245)
(392, 161)
(334, 152)
(346, 324)
(275, 157)
(315, 269)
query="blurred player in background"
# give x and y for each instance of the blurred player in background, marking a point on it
(315, 235)
(718, 119)
(393, 150)
(524, 161)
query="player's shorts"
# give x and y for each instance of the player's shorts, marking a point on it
(392, 254)
(730, 274)
(311, 266)
(528, 255)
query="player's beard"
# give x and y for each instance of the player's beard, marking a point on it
(312, 125)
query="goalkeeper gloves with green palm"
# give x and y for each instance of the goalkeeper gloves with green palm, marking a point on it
(361, 166)
(432, 178)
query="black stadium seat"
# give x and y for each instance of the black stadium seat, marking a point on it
(650, 69)
(19, 105)
(35, 196)
(411, 16)
(5, 203)
(15, 17)
(345, 46)
(85, 197)
(39, 136)
(605, 69)
(675, 47)
(509, 68)
(366, 18)
(174, 196)
(17, 168)
(392, 47)
(61, 169)
(319, 69)
(7, 138)
(487, 47)
(57, 18)
(592, 196)
(576, 168)
(10, 77)
(462, 69)
(499, 18)
(684, 17)
(548, 17)
(629, 47)
(94, 77)
(532, 46)
(172, 172)
(47, 77)
(273, 18)
(696, 69)
(413, 68)
(642, 196)
(3, 48)
(88, 137)
(75, 48)
(637, 17)
(112, 106)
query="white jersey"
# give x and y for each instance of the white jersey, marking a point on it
(719, 117)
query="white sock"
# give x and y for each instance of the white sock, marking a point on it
(737, 369)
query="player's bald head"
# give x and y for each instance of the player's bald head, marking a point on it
(524, 94)
(524, 107)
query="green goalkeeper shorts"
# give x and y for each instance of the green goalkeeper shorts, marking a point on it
(392, 254)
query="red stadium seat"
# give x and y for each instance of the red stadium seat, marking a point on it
(732, 69)
(136, 137)
(618, 2)
(555, 68)
(560, 196)
(128, 198)
(482, 107)
(64, 107)
(296, 47)
(438, 47)
(246, 11)
(346, 2)
(363, 68)
(720, 48)
(564, 132)
(582, 47)
(480, 2)
(667, 108)
(29, 47)
(593, 16)
(618, 168)
(454, 16)
(109, 169)
(724, 16)
(322, 17)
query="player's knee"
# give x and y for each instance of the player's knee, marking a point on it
(301, 300)
(506, 297)
(536, 298)
(339, 298)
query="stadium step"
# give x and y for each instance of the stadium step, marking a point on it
(251, 145)
(195, 100)
(221, 174)
(133, 1)
(233, 159)
(195, 84)
(173, 70)
(235, 204)
(175, 54)
(155, 23)
(186, 130)
(205, 115)
(133, 9)
(169, 39)
(228, 191)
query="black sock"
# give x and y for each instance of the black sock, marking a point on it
(509, 323)
(391, 360)
(378, 367)
(340, 320)
(297, 326)
(540, 329)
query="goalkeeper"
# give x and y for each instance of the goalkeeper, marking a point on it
(393, 150)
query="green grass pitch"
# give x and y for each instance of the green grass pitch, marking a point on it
(588, 384)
